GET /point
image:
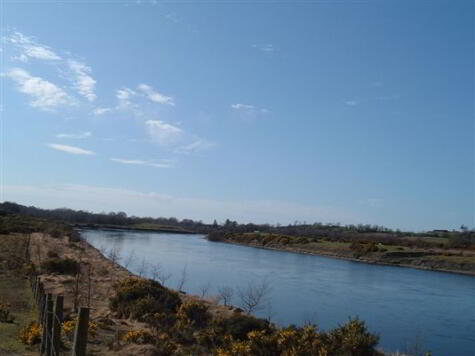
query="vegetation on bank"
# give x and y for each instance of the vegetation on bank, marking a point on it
(16, 300)
(438, 253)
(189, 327)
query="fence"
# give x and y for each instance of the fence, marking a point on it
(50, 317)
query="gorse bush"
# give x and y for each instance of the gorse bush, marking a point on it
(351, 339)
(31, 334)
(70, 325)
(61, 266)
(141, 336)
(137, 297)
(194, 313)
(238, 326)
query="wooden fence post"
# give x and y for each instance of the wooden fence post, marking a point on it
(39, 296)
(46, 312)
(80, 334)
(57, 320)
(41, 306)
(34, 285)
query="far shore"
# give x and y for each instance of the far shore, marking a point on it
(107, 227)
(349, 258)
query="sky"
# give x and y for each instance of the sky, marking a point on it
(263, 111)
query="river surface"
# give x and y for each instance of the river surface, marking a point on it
(410, 309)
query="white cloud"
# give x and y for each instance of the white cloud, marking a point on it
(101, 111)
(124, 95)
(242, 106)
(249, 111)
(163, 132)
(352, 102)
(161, 164)
(84, 83)
(267, 47)
(81, 135)
(46, 95)
(196, 146)
(155, 96)
(32, 49)
(70, 149)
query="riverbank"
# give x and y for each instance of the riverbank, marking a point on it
(440, 260)
(135, 227)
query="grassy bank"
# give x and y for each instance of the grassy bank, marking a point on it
(16, 300)
(434, 256)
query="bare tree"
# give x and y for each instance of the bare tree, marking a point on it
(114, 254)
(183, 279)
(253, 296)
(157, 274)
(89, 272)
(143, 268)
(76, 290)
(225, 294)
(204, 289)
(102, 250)
(38, 253)
(310, 319)
(130, 259)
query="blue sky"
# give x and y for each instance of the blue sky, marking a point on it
(329, 111)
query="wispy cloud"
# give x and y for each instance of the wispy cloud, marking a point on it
(249, 110)
(45, 94)
(78, 136)
(160, 164)
(101, 111)
(266, 47)
(30, 49)
(196, 146)
(352, 102)
(124, 96)
(70, 149)
(84, 83)
(155, 96)
(242, 106)
(162, 132)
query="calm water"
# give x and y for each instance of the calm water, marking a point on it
(407, 307)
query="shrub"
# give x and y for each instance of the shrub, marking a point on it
(31, 334)
(353, 338)
(61, 266)
(194, 313)
(238, 326)
(70, 325)
(52, 254)
(140, 336)
(137, 296)
(215, 236)
(5, 316)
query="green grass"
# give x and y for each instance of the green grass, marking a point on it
(454, 259)
(16, 292)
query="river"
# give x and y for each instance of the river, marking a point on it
(410, 309)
